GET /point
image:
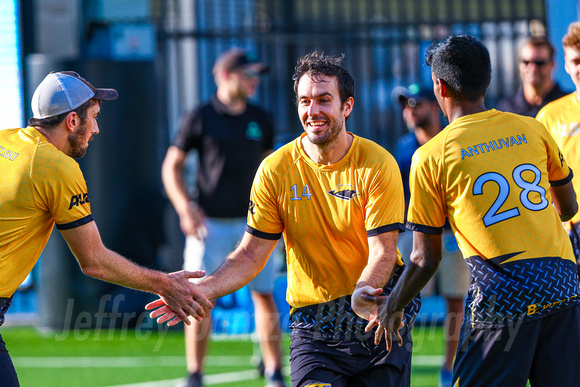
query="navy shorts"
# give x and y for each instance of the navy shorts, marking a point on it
(342, 363)
(8, 376)
(545, 351)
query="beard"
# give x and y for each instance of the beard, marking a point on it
(76, 142)
(327, 138)
(423, 121)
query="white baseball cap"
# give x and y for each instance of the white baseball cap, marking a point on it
(64, 91)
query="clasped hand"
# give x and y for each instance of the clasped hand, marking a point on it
(181, 301)
(368, 303)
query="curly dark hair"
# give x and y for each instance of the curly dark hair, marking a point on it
(463, 63)
(316, 63)
(51, 122)
(572, 37)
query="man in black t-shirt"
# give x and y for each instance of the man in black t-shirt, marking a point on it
(231, 137)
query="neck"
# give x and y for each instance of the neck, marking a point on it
(457, 110)
(234, 104)
(54, 136)
(328, 154)
(535, 95)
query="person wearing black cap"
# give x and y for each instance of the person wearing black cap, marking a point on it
(231, 137)
(422, 116)
(42, 185)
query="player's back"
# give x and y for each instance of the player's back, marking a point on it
(490, 173)
(497, 169)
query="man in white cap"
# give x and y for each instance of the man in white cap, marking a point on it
(42, 185)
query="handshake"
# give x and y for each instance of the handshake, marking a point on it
(179, 299)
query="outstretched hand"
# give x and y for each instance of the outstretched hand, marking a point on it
(180, 301)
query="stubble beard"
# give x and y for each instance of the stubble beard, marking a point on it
(77, 147)
(329, 137)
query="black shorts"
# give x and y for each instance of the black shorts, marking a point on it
(342, 363)
(545, 351)
(8, 376)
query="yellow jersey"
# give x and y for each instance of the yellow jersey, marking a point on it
(326, 213)
(40, 186)
(562, 117)
(490, 174)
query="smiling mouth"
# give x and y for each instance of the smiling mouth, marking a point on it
(316, 124)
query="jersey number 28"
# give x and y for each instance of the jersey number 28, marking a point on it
(493, 215)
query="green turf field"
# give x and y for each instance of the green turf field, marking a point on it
(153, 359)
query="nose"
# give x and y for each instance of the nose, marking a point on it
(313, 109)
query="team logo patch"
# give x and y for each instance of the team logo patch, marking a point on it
(253, 131)
(252, 208)
(344, 192)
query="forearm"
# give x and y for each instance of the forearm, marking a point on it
(377, 273)
(173, 181)
(112, 267)
(414, 278)
(174, 185)
(235, 272)
(382, 261)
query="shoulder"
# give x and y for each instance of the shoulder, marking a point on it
(282, 159)
(258, 113)
(406, 140)
(557, 105)
(253, 107)
(507, 103)
(368, 152)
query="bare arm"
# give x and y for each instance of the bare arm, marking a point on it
(239, 268)
(99, 262)
(379, 270)
(190, 216)
(564, 199)
(423, 264)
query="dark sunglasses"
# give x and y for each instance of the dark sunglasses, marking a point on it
(538, 63)
(251, 74)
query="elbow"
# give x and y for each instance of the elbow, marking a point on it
(91, 271)
(568, 213)
(90, 266)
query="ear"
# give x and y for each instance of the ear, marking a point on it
(72, 121)
(443, 87)
(348, 105)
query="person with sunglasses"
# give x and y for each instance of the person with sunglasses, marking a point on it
(536, 63)
(231, 137)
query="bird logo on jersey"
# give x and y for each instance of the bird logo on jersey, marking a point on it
(344, 192)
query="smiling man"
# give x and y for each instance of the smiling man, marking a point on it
(42, 185)
(338, 201)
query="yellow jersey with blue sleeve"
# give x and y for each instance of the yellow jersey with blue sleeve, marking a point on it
(40, 186)
(326, 213)
(562, 117)
(490, 174)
